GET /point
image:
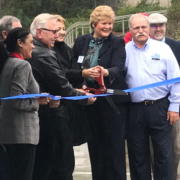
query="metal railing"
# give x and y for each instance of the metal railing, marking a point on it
(81, 28)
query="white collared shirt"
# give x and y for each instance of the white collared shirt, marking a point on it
(153, 63)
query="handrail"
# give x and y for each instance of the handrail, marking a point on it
(81, 28)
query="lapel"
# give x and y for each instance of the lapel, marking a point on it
(168, 41)
(39, 43)
(85, 45)
(70, 52)
(105, 46)
(171, 44)
(60, 57)
(64, 61)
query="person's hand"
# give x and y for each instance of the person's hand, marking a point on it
(105, 71)
(173, 117)
(91, 73)
(90, 100)
(84, 88)
(54, 103)
(43, 100)
(82, 91)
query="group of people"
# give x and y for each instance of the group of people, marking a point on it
(37, 134)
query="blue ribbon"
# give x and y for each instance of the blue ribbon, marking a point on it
(25, 96)
(162, 83)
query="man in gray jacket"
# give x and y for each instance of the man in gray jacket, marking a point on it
(7, 23)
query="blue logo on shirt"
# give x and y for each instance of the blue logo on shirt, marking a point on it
(155, 57)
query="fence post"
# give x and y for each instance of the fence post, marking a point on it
(76, 32)
(90, 29)
(123, 26)
(82, 30)
(72, 38)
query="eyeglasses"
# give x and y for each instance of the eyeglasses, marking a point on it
(138, 27)
(155, 26)
(53, 31)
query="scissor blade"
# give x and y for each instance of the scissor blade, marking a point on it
(112, 104)
(116, 92)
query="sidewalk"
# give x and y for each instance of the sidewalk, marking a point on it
(82, 166)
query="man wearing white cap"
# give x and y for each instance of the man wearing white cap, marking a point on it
(157, 31)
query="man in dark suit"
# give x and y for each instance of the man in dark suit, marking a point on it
(157, 31)
(54, 156)
(8, 23)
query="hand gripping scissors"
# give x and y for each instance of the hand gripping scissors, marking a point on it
(103, 90)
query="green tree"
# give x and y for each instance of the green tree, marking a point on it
(173, 16)
(71, 10)
(113, 4)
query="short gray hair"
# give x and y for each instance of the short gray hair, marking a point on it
(6, 23)
(157, 18)
(138, 15)
(40, 21)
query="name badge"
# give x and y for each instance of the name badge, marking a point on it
(80, 59)
(155, 57)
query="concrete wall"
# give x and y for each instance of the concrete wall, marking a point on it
(163, 3)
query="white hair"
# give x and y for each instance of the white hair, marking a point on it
(40, 21)
(157, 18)
(137, 15)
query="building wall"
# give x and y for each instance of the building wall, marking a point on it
(163, 3)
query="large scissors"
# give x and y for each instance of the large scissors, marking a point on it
(103, 90)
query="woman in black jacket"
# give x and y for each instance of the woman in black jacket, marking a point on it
(77, 115)
(102, 48)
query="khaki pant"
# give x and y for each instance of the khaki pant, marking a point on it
(176, 150)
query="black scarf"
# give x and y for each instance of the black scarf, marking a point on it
(97, 41)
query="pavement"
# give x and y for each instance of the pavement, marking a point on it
(82, 166)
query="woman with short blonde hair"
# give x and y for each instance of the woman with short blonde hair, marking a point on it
(75, 121)
(102, 48)
(101, 13)
(60, 18)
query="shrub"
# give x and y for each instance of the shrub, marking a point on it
(173, 24)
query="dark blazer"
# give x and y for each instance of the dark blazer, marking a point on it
(112, 56)
(49, 73)
(3, 55)
(72, 71)
(19, 118)
(175, 47)
(77, 115)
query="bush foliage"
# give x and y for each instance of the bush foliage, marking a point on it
(173, 24)
(72, 10)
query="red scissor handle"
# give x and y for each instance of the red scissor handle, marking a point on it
(100, 81)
